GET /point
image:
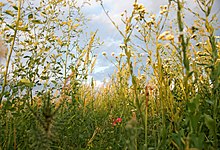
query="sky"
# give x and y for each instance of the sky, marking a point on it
(110, 36)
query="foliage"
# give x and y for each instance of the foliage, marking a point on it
(166, 100)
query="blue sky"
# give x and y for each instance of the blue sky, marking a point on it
(110, 36)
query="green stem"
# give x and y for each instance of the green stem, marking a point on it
(146, 137)
(184, 44)
(10, 52)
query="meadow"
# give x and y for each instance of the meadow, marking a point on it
(169, 99)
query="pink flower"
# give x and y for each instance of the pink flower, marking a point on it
(114, 123)
(118, 120)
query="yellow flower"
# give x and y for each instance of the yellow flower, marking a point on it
(162, 36)
(2, 4)
(170, 37)
(153, 16)
(122, 54)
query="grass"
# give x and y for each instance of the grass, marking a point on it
(166, 100)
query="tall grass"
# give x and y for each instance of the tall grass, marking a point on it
(164, 93)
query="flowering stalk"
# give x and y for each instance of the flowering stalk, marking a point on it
(184, 45)
(214, 75)
(125, 47)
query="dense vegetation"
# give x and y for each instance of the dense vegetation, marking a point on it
(168, 100)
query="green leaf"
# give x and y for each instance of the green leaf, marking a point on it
(24, 28)
(210, 123)
(15, 7)
(27, 82)
(9, 12)
(30, 16)
(36, 21)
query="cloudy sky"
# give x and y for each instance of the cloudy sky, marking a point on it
(109, 35)
(107, 32)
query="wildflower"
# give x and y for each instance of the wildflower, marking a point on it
(113, 54)
(116, 121)
(166, 35)
(2, 4)
(170, 37)
(135, 6)
(193, 36)
(153, 16)
(119, 120)
(104, 53)
(163, 9)
(122, 45)
(140, 9)
(136, 17)
(149, 23)
(142, 77)
(122, 54)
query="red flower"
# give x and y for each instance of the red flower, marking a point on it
(118, 120)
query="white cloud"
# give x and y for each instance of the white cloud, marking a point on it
(101, 69)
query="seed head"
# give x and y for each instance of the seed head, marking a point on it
(104, 53)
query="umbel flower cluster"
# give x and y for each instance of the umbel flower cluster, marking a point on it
(139, 9)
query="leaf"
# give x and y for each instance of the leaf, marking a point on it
(15, 7)
(9, 12)
(36, 21)
(210, 123)
(27, 82)
(24, 28)
(30, 16)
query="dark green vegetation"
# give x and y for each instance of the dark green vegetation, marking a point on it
(46, 103)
